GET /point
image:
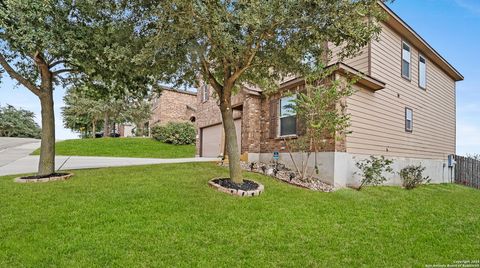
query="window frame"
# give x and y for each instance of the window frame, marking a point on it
(205, 93)
(409, 78)
(409, 130)
(420, 56)
(279, 121)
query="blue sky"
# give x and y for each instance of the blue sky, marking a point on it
(452, 27)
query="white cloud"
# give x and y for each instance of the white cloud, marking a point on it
(471, 5)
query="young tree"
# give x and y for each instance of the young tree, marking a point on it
(321, 109)
(138, 112)
(83, 110)
(228, 43)
(18, 123)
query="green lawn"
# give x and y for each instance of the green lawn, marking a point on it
(166, 215)
(123, 147)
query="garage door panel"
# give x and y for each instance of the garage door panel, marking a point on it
(212, 141)
(213, 137)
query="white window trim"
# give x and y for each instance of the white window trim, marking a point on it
(420, 56)
(409, 130)
(279, 122)
(204, 93)
(409, 77)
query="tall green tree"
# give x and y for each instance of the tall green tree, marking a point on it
(51, 43)
(226, 43)
(18, 123)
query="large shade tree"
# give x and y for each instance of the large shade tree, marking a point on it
(56, 42)
(227, 43)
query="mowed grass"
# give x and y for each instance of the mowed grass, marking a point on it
(166, 215)
(122, 147)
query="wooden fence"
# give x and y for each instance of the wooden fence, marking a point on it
(467, 171)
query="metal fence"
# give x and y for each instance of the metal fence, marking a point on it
(467, 171)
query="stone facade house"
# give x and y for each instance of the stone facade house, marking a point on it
(404, 108)
(173, 105)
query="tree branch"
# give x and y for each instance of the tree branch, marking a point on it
(65, 71)
(15, 75)
(211, 78)
(53, 64)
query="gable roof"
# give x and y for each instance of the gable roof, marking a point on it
(396, 23)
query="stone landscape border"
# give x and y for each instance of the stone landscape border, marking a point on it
(240, 193)
(54, 178)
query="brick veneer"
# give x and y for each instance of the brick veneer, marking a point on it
(173, 106)
(254, 110)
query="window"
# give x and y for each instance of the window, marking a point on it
(422, 72)
(406, 58)
(408, 120)
(288, 117)
(205, 93)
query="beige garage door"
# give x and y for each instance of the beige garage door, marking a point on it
(213, 139)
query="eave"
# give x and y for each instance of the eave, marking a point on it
(400, 26)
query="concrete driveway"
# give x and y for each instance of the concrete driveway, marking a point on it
(15, 158)
(12, 149)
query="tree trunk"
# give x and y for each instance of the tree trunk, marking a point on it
(106, 126)
(94, 128)
(231, 140)
(46, 165)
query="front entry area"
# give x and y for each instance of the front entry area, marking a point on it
(212, 139)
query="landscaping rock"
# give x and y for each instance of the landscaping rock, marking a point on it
(46, 178)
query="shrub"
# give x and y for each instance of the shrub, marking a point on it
(412, 176)
(372, 170)
(174, 133)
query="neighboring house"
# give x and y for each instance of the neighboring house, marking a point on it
(404, 108)
(173, 105)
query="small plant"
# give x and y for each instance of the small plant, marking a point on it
(412, 176)
(372, 170)
(252, 166)
(175, 133)
(264, 169)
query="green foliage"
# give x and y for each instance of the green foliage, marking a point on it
(412, 176)
(18, 123)
(115, 216)
(373, 169)
(174, 133)
(257, 42)
(85, 106)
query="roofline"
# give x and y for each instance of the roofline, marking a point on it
(441, 61)
(178, 90)
(364, 80)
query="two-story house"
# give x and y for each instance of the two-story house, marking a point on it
(403, 108)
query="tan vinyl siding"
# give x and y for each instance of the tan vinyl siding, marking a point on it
(359, 62)
(378, 118)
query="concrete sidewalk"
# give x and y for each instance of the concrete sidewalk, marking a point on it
(29, 164)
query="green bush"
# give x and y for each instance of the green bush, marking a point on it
(174, 133)
(412, 176)
(372, 170)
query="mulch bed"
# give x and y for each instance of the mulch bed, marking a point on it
(246, 189)
(44, 178)
(245, 186)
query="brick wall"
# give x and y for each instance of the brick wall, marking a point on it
(255, 113)
(173, 106)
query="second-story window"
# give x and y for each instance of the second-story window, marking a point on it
(205, 93)
(288, 116)
(422, 72)
(408, 120)
(406, 59)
